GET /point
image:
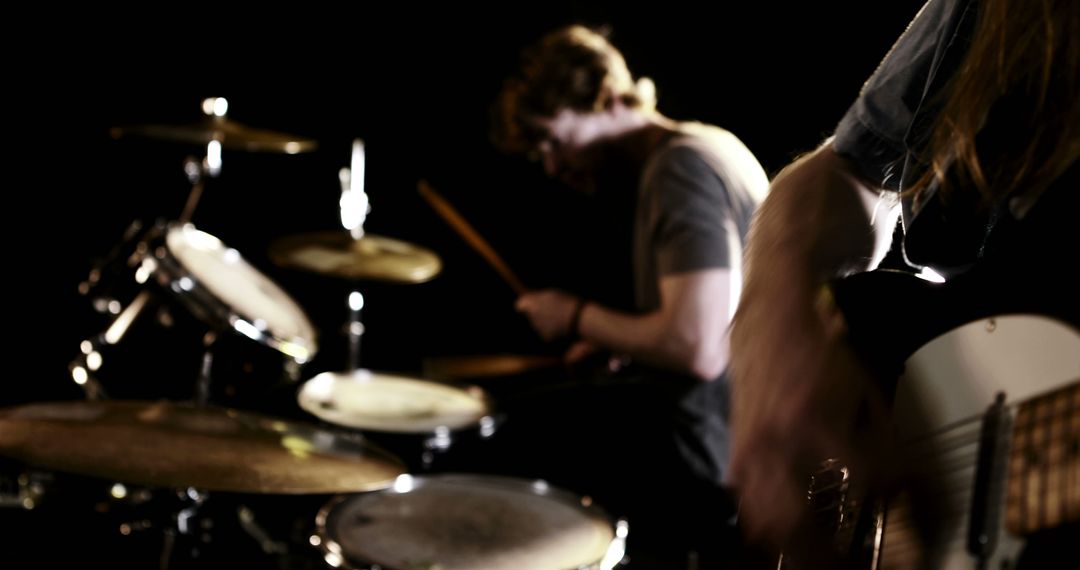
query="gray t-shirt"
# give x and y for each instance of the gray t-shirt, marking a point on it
(697, 195)
(698, 192)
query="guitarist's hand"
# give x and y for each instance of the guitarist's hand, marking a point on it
(797, 385)
(798, 388)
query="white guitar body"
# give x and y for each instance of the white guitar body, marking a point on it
(947, 386)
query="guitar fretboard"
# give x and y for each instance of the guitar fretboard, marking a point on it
(1044, 463)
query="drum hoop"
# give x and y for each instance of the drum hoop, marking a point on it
(332, 549)
(204, 304)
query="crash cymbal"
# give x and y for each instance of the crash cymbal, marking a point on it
(486, 365)
(170, 445)
(371, 257)
(233, 135)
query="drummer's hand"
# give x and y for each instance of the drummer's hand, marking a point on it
(550, 311)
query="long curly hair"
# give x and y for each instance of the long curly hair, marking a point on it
(1010, 118)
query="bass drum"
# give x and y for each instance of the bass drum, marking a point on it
(469, 522)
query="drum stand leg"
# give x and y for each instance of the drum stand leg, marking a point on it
(355, 329)
(197, 169)
(184, 524)
(89, 359)
(202, 385)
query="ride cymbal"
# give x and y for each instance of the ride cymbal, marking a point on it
(231, 134)
(371, 257)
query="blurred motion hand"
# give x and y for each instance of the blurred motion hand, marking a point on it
(550, 311)
(797, 389)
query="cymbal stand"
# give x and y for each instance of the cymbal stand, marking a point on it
(202, 384)
(354, 207)
(89, 359)
(355, 329)
(184, 524)
(196, 169)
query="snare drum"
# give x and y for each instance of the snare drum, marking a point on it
(475, 522)
(406, 415)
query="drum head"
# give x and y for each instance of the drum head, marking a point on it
(382, 402)
(256, 306)
(458, 522)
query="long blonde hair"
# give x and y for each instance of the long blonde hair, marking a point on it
(1024, 67)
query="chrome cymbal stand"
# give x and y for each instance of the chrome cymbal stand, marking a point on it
(197, 170)
(354, 207)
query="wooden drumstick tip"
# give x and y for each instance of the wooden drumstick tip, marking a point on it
(470, 235)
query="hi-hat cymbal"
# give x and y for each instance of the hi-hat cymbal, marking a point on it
(231, 134)
(371, 257)
(215, 449)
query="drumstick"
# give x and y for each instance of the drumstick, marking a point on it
(466, 231)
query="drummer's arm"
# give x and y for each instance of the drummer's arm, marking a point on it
(688, 333)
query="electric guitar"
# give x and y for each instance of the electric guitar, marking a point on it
(988, 411)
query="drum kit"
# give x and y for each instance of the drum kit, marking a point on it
(387, 510)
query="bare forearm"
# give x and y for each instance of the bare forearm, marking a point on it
(815, 224)
(687, 334)
(796, 383)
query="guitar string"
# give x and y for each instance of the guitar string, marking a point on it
(959, 435)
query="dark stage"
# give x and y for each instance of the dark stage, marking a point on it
(416, 84)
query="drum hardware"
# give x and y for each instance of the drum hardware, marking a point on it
(202, 385)
(211, 281)
(180, 517)
(90, 358)
(215, 132)
(104, 271)
(247, 521)
(23, 490)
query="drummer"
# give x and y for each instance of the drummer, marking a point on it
(657, 442)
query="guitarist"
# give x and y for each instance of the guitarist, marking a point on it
(966, 135)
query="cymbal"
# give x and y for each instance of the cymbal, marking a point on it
(371, 257)
(170, 445)
(233, 135)
(486, 365)
(376, 401)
